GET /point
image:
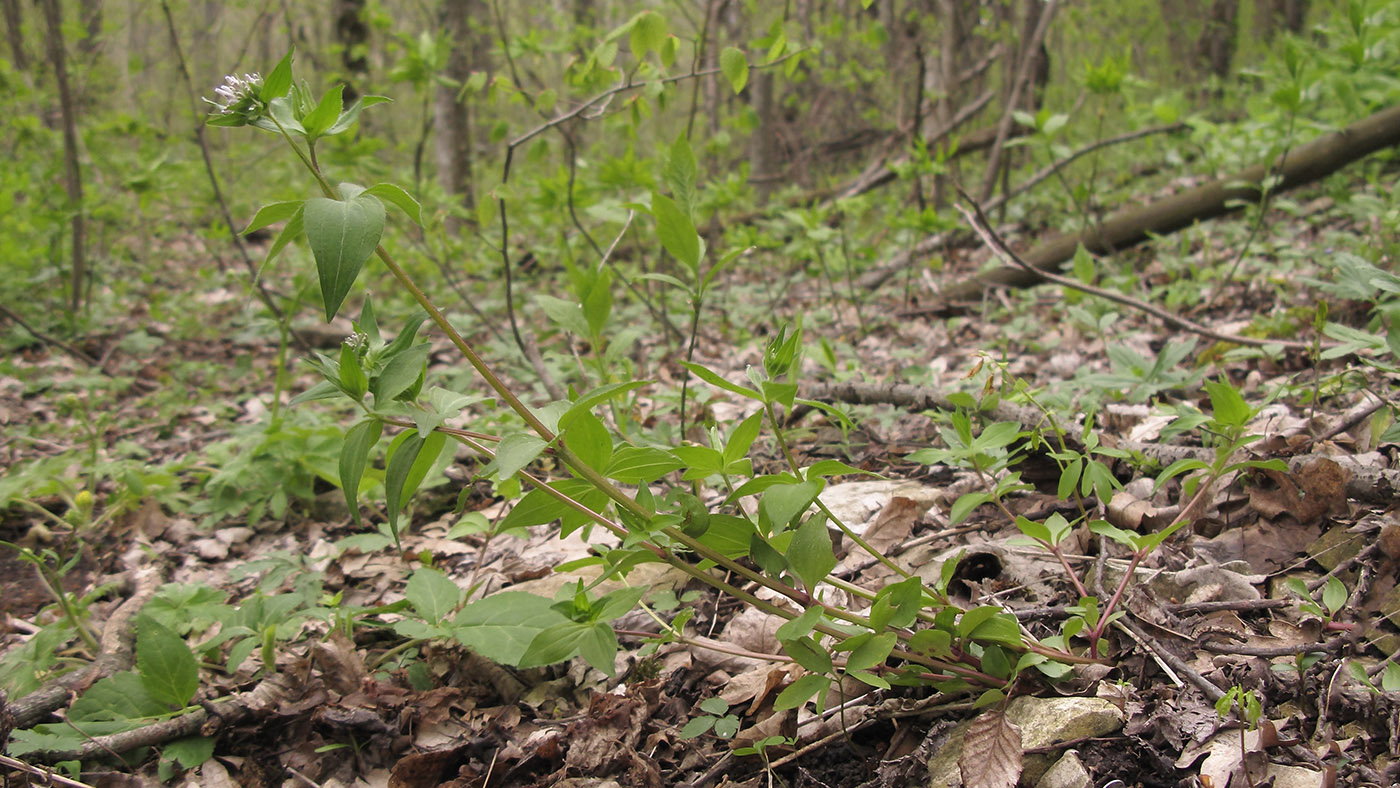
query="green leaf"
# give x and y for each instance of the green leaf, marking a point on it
(735, 66)
(536, 508)
(872, 652)
(562, 641)
(784, 502)
(800, 691)
(742, 438)
(352, 376)
(397, 197)
(800, 626)
(697, 726)
(402, 370)
(965, 504)
(348, 118)
(1227, 405)
(121, 696)
(587, 438)
(403, 472)
(290, 232)
(1334, 595)
(810, 552)
(326, 113)
(354, 455)
(433, 594)
(640, 464)
(676, 231)
(714, 379)
(166, 664)
(279, 80)
(273, 213)
(681, 173)
(190, 751)
(342, 235)
(515, 451)
(808, 654)
(648, 33)
(502, 626)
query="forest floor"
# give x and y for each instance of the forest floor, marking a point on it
(1208, 613)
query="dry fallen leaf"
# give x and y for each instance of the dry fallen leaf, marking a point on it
(991, 753)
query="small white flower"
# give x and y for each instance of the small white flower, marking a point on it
(237, 94)
(356, 340)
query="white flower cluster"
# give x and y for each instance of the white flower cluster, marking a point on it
(357, 340)
(236, 92)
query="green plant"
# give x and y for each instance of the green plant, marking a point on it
(785, 547)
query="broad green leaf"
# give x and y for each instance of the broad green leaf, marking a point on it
(681, 173)
(121, 696)
(1334, 595)
(589, 440)
(326, 113)
(397, 197)
(735, 66)
(402, 370)
(1227, 405)
(596, 643)
(676, 231)
(190, 751)
(567, 314)
(784, 502)
(742, 438)
(697, 726)
(342, 235)
(354, 455)
(166, 664)
(433, 594)
(1001, 628)
(515, 451)
(648, 33)
(501, 626)
(640, 464)
(273, 213)
(536, 508)
(808, 654)
(810, 553)
(872, 652)
(403, 454)
(800, 691)
(800, 626)
(617, 603)
(279, 80)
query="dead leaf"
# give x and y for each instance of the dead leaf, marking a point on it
(991, 753)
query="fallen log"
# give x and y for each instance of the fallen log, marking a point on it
(1130, 226)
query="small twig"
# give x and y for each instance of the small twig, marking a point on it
(46, 776)
(999, 248)
(1178, 665)
(46, 339)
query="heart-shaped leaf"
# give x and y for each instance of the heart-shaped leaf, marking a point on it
(342, 234)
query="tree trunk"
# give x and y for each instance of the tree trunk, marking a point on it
(91, 15)
(1216, 46)
(452, 119)
(764, 150)
(352, 35)
(72, 170)
(14, 33)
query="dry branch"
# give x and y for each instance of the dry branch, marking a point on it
(1131, 226)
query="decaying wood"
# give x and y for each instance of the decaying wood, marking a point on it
(116, 642)
(1131, 226)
